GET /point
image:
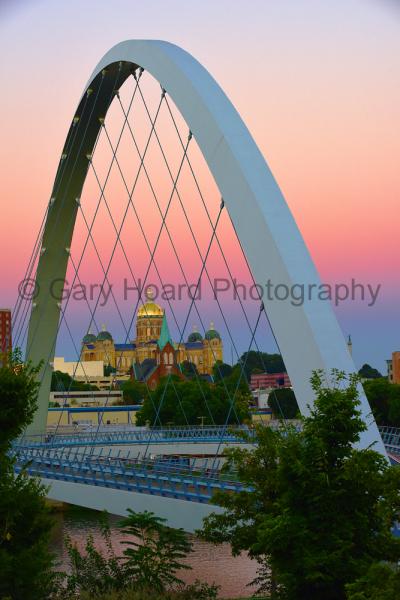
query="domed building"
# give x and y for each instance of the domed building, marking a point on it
(151, 325)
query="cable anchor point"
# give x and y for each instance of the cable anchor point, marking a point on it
(221, 206)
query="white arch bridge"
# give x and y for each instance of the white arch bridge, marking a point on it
(308, 336)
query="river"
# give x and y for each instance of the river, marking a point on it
(213, 564)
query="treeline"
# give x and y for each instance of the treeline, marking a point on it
(384, 399)
(194, 402)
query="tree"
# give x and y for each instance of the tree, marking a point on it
(133, 391)
(147, 569)
(384, 399)
(93, 571)
(109, 370)
(183, 402)
(155, 553)
(283, 403)
(25, 523)
(369, 372)
(221, 370)
(261, 362)
(18, 397)
(317, 510)
(381, 582)
(62, 382)
(189, 369)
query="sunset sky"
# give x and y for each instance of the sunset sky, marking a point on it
(316, 81)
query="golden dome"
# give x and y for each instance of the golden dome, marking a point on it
(150, 308)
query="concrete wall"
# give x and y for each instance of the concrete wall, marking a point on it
(93, 368)
(179, 513)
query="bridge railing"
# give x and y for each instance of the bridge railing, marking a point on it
(390, 436)
(143, 476)
(138, 436)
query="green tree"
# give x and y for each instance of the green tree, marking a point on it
(155, 551)
(369, 372)
(318, 510)
(384, 399)
(109, 370)
(61, 382)
(189, 369)
(221, 370)
(18, 398)
(183, 402)
(381, 582)
(133, 391)
(261, 362)
(283, 403)
(93, 571)
(25, 522)
(148, 567)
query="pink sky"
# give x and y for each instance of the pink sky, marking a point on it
(317, 83)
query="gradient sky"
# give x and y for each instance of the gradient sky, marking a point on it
(316, 81)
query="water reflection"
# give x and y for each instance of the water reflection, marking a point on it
(210, 563)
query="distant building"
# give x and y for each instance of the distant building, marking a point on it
(263, 381)
(202, 352)
(90, 398)
(5, 330)
(393, 367)
(81, 369)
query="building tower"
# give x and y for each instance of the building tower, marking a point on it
(350, 345)
(5, 330)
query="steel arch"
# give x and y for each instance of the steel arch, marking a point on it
(309, 335)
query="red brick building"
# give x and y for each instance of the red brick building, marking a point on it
(262, 381)
(165, 363)
(5, 330)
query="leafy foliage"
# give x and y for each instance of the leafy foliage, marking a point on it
(61, 382)
(18, 397)
(188, 369)
(384, 399)
(133, 391)
(147, 569)
(154, 552)
(381, 582)
(25, 523)
(25, 527)
(184, 402)
(283, 403)
(93, 572)
(260, 362)
(221, 370)
(318, 510)
(194, 591)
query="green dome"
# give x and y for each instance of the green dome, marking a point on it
(212, 334)
(104, 335)
(195, 337)
(89, 338)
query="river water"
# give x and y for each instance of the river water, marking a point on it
(213, 564)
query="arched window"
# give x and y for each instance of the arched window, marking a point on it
(165, 358)
(171, 358)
